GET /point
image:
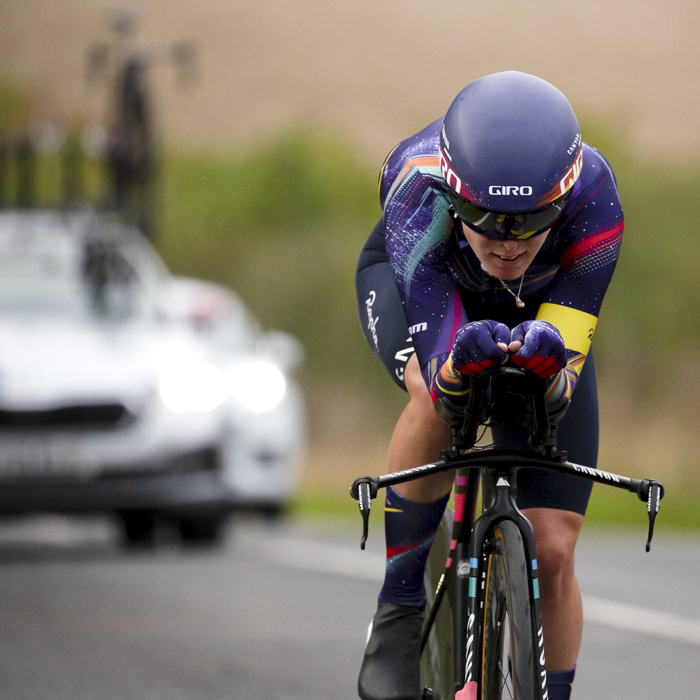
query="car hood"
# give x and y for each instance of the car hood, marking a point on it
(45, 364)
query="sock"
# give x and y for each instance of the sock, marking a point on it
(559, 684)
(410, 528)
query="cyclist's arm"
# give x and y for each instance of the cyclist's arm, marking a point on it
(590, 247)
(418, 227)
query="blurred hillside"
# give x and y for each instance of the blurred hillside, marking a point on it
(280, 212)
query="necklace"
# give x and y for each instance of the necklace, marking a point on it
(518, 301)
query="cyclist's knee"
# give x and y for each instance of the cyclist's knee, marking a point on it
(556, 533)
(420, 404)
(418, 438)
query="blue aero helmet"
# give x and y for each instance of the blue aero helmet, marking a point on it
(510, 153)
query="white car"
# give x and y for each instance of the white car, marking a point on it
(113, 399)
(263, 414)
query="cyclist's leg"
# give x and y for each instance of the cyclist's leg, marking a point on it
(556, 533)
(390, 668)
(556, 507)
(419, 436)
(417, 506)
(414, 509)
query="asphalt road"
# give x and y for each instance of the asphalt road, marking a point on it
(281, 612)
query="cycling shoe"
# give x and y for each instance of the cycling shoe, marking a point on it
(391, 666)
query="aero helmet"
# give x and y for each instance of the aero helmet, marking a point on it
(510, 152)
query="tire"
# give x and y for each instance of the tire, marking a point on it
(138, 526)
(272, 512)
(202, 531)
(508, 647)
(436, 665)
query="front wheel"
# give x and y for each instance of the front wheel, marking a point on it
(508, 665)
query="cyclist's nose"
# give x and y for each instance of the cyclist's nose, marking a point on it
(510, 246)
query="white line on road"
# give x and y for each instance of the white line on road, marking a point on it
(635, 618)
(344, 561)
(325, 558)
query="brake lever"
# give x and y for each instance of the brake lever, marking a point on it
(651, 491)
(363, 490)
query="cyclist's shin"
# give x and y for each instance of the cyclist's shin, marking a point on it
(410, 529)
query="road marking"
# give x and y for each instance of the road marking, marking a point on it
(58, 531)
(325, 558)
(635, 618)
(343, 561)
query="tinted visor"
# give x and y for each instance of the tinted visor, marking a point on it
(499, 226)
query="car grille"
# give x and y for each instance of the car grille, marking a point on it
(95, 416)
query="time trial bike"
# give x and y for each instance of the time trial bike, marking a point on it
(482, 633)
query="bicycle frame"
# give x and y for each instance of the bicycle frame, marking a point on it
(467, 549)
(502, 508)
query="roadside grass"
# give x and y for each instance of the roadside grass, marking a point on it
(608, 507)
(680, 510)
(320, 504)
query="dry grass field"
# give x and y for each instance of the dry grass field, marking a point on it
(374, 70)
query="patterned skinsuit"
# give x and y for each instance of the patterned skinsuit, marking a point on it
(442, 284)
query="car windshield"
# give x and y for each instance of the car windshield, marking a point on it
(47, 273)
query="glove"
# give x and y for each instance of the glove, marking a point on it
(475, 352)
(542, 351)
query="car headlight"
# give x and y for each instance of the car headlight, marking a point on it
(258, 385)
(196, 387)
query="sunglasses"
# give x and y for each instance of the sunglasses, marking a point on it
(513, 226)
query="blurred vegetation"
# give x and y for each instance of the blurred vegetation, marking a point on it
(283, 224)
(649, 326)
(14, 106)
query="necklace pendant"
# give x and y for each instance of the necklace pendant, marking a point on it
(519, 302)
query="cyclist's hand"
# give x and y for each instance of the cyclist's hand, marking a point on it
(539, 347)
(480, 347)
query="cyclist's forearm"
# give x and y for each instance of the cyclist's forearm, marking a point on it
(577, 329)
(562, 384)
(447, 387)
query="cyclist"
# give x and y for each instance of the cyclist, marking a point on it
(500, 233)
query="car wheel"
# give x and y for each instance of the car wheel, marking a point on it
(138, 526)
(273, 511)
(205, 530)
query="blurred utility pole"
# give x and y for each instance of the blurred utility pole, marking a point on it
(25, 161)
(131, 150)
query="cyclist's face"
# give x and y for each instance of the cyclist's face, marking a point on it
(506, 260)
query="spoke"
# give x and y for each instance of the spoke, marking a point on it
(504, 677)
